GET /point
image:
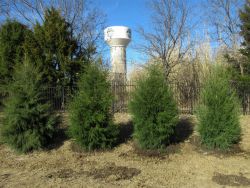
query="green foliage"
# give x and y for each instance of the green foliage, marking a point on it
(245, 32)
(218, 114)
(28, 123)
(55, 47)
(245, 24)
(56, 50)
(52, 45)
(12, 38)
(154, 110)
(90, 119)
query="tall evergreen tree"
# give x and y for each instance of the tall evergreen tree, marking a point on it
(154, 110)
(91, 122)
(245, 32)
(55, 49)
(12, 39)
(218, 114)
(28, 122)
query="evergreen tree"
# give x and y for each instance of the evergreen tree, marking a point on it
(12, 38)
(240, 62)
(245, 25)
(28, 122)
(245, 32)
(154, 110)
(218, 115)
(55, 49)
(91, 122)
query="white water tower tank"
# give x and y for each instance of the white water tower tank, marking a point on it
(118, 38)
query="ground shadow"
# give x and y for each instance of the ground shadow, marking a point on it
(111, 172)
(58, 139)
(61, 134)
(182, 131)
(125, 131)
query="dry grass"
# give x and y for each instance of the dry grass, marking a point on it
(183, 164)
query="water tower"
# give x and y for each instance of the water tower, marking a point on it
(118, 38)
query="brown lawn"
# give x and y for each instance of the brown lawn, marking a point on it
(183, 164)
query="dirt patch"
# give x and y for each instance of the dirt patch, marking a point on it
(109, 172)
(63, 173)
(231, 180)
(114, 173)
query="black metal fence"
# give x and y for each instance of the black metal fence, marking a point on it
(186, 96)
(59, 97)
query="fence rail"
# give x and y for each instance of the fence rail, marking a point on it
(186, 96)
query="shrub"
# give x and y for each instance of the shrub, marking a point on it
(91, 124)
(218, 114)
(28, 122)
(154, 110)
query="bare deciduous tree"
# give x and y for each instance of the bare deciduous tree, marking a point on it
(167, 40)
(223, 15)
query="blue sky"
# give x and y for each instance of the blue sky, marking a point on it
(134, 13)
(131, 13)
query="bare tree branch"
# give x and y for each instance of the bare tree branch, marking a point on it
(223, 16)
(4, 8)
(167, 41)
(86, 21)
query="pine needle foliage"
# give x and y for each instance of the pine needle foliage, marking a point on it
(91, 124)
(12, 39)
(154, 110)
(28, 123)
(218, 114)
